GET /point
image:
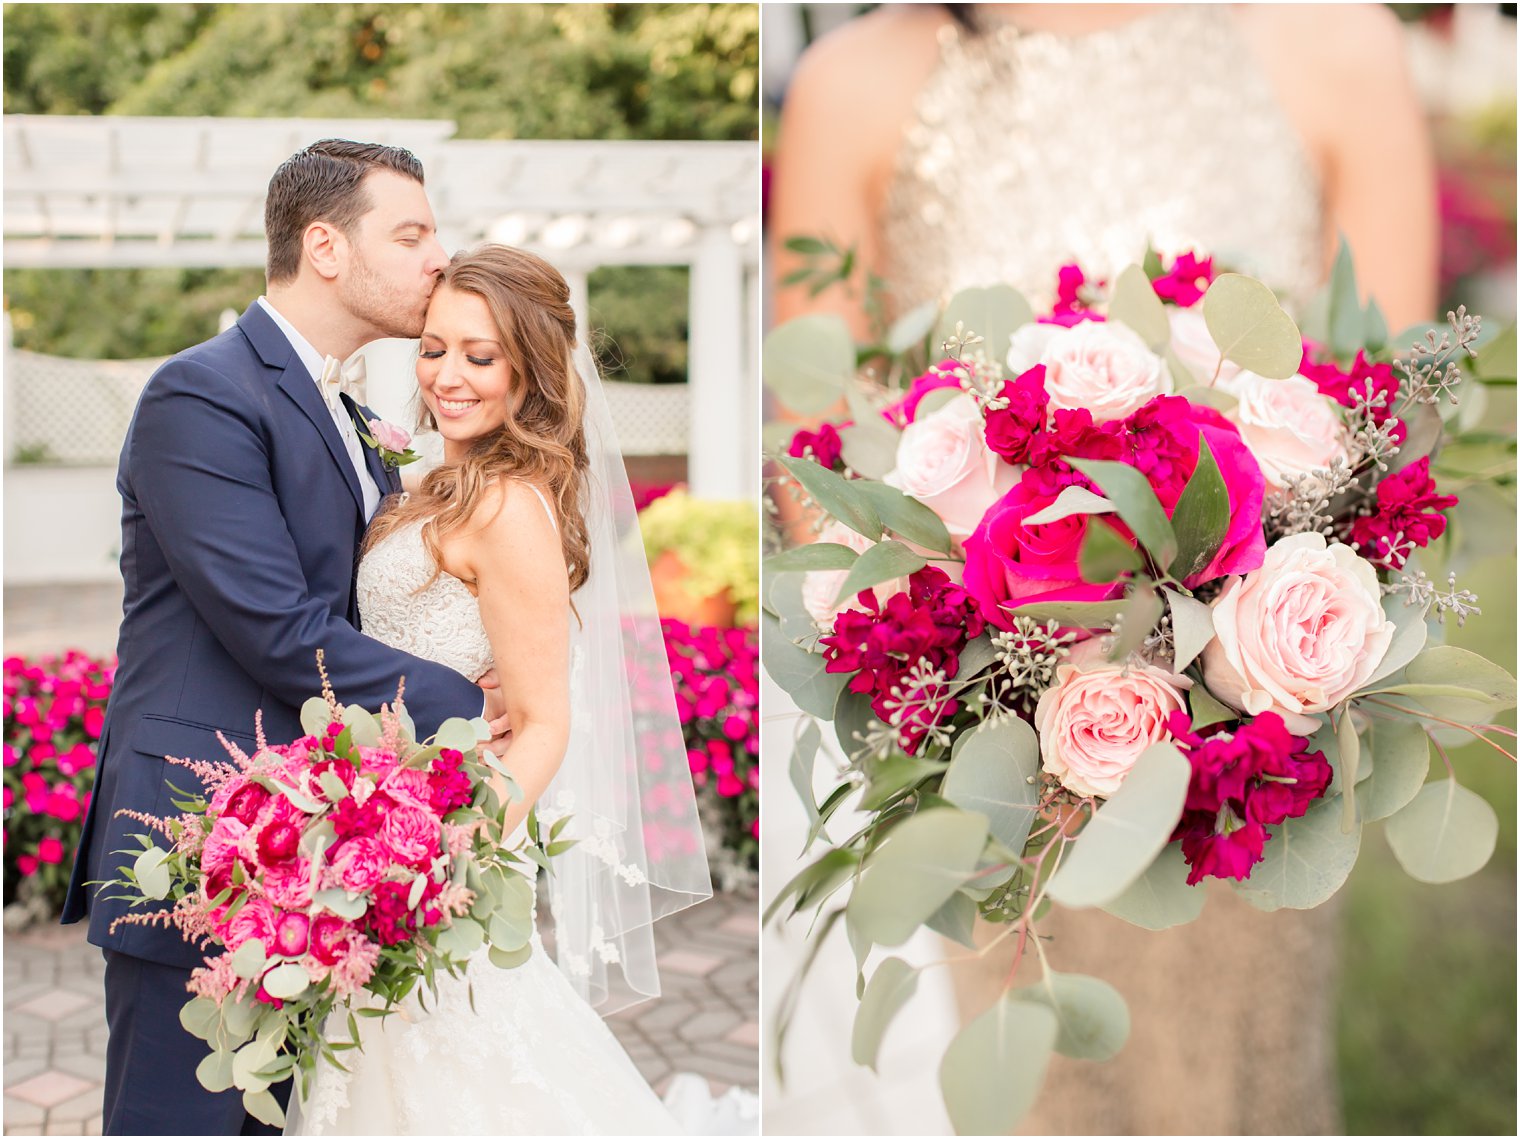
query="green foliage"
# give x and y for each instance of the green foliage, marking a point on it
(716, 540)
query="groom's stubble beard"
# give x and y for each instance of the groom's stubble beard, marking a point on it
(390, 311)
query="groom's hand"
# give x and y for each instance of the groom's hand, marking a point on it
(496, 713)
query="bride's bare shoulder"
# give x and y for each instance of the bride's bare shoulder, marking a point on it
(872, 62)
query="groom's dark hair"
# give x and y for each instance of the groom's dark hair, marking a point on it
(324, 182)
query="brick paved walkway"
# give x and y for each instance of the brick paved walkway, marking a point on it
(705, 1021)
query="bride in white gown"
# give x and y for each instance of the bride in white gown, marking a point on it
(520, 552)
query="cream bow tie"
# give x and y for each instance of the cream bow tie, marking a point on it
(347, 377)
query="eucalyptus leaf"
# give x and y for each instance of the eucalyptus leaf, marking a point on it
(1410, 632)
(890, 987)
(801, 674)
(456, 733)
(994, 313)
(152, 874)
(199, 1017)
(1073, 499)
(994, 1067)
(1444, 833)
(286, 981)
(884, 561)
(509, 959)
(1136, 503)
(1250, 328)
(800, 769)
(808, 361)
(909, 330)
(339, 902)
(1493, 687)
(869, 449)
(315, 716)
(1134, 302)
(1496, 359)
(298, 799)
(215, 1071)
(1201, 518)
(1160, 898)
(247, 1061)
(1192, 628)
(1305, 861)
(853, 719)
(363, 728)
(956, 919)
(1092, 1018)
(816, 881)
(333, 787)
(249, 960)
(264, 1107)
(922, 862)
(1124, 836)
(979, 654)
(994, 771)
(906, 517)
(1401, 754)
(839, 497)
(462, 938)
(1375, 327)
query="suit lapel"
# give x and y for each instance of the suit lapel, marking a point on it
(296, 382)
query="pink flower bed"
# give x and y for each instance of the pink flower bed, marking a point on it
(54, 709)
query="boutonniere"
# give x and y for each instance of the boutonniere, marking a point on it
(391, 443)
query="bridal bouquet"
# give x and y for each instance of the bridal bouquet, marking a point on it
(353, 860)
(1108, 602)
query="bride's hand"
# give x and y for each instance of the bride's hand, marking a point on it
(496, 713)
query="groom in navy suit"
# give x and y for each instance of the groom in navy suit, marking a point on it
(245, 493)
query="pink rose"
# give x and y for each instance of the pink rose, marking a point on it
(328, 935)
(222, 844)
(389, 436)
(1289, 427)
(1098, 365)
(360, 864)
(412, 834)
(939, 376)
(1300, 634)
(1097, 718)
(254, 921)
(408, 787)
(944, 462)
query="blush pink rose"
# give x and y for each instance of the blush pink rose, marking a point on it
(389, 436)
(944, 462)
(1098, 365)
(412, 834)
(1097, 718)
(408, 787)
(1299, 635)
(360, 863)
(1289, 427)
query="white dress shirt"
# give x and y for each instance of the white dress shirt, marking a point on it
(341, 419)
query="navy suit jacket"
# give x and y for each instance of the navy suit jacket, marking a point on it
(241, 522)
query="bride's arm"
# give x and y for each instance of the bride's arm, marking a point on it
(513, 553)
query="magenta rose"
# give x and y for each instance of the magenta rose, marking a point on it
(289, 886)
(941, 375)
(328, 935)
(412, 834)
(360, 863)
(291, 935)
(278, 842)
(1009, 562)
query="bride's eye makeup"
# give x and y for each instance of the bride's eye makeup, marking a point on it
(481, 362)
(433, 355)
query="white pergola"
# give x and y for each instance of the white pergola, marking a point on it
(119, 192)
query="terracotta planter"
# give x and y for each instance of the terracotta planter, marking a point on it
(673, 597)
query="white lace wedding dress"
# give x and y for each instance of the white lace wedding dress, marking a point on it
(531, 1057)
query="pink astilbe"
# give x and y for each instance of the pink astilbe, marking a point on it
(147, 820)
(355, 965)
(216, 980)
(215, 775)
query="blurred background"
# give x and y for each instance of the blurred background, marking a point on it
(617, 140)
(1427, 995)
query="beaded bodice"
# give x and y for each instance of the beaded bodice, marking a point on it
(438, 621)
(1027, 151)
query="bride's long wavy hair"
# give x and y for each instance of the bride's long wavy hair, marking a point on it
(543, 440)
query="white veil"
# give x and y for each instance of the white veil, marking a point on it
(625, 783)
